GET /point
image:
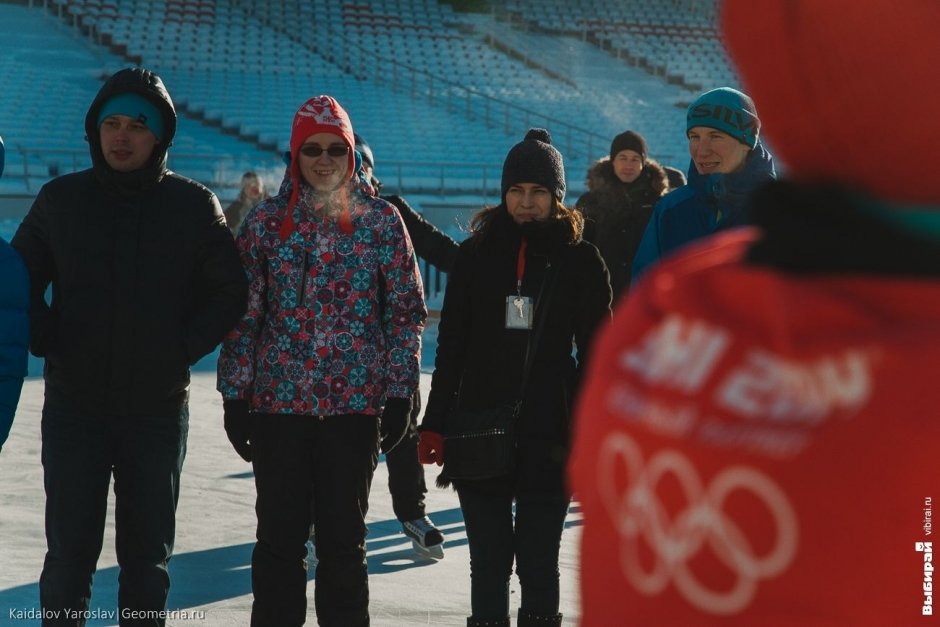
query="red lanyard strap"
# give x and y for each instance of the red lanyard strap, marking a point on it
(520, 266)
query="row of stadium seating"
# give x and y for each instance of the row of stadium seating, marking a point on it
(423, 83)
(674, 38)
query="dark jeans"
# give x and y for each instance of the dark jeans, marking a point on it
(307, 465)
(80, 453)
(405, 472)
(533, 539)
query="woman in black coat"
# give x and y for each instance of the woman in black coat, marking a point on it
(529, 247)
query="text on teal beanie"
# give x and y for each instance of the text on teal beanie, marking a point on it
(727, 110)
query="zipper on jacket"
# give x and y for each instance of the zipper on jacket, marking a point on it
(303, 280)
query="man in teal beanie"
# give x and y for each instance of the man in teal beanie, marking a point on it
(135, 107)
(14, 329)
(728, 162)
(145, 281)
(727, 110)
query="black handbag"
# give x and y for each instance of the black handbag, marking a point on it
(481, 443)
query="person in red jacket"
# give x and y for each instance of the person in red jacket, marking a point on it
(756, 443)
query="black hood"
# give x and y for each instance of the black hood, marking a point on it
(821, 228)
(147, 84)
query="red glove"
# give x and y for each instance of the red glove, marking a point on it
(431, 448)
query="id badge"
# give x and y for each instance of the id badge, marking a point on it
(518, 312)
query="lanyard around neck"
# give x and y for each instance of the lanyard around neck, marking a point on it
(520, 266)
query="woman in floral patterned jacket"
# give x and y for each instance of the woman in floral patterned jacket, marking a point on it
(329, 345)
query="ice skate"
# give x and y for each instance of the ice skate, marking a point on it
(426, 539)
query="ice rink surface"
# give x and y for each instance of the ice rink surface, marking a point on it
(215, 534)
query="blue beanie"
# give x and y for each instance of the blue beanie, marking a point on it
(727, 110)
(133, 106)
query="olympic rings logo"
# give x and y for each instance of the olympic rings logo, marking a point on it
(637, 514)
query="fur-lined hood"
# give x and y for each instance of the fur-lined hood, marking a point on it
(601, 177)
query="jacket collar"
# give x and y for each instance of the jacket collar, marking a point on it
(823, 228)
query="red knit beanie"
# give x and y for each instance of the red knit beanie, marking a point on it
(846, 89)
(321, 114)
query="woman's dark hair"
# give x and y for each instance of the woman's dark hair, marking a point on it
(482, 221)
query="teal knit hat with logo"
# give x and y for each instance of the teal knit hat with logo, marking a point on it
(727, 110)
(133, 106)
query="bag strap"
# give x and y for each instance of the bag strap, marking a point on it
(545, 290)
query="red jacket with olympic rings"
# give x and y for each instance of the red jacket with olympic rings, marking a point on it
(758, 448)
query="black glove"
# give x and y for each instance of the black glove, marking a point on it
(396, 418)
(238, 426)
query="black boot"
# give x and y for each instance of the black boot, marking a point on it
(493, 622)
(528, 619)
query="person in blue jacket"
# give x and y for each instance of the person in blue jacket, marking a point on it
(728, 163)
(14, 329)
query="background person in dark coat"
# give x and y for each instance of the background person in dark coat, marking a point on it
(251, 193)
(622, 190)
(405, 474)
(145, 281)
(429, 242)
(14, 329)
(480, 364)
(675, 176)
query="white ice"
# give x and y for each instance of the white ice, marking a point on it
(215, 533)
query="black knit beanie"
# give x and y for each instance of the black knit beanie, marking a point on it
(365, 150)
(629, 140)
(535, 160)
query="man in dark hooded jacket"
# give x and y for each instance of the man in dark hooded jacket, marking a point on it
(145, 281)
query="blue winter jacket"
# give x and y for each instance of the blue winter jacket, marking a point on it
(707, 203)
(14, 333)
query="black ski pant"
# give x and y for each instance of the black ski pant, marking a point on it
(81, 451)
(319, 468)
(531, 538)
(405, 473)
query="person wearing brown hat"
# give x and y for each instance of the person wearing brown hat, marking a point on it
(622, 190)
(757, 443)
(319, 373)
(524, 289)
